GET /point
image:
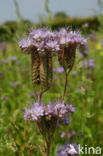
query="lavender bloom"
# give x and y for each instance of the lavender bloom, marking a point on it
(25, 45)
(52, 46)
(71, 134)
(47, 117)
(70, 38)
(59, 111)
(66, 150)
(62, 135)
(14, 84)
(41, 40)
(13, 58)
(44, 40)
(58, 70)
(66, 119)
(89, 63)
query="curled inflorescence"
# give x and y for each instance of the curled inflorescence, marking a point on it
(41, 40)
(58, 110)
(45, 40)
(69, 38)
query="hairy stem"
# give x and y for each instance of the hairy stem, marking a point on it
(65, 87)
(48, 148)
(40, 97)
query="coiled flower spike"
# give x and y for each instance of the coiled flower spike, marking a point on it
(69, 41)
(41, 44)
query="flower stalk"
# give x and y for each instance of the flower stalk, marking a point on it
(65, 87)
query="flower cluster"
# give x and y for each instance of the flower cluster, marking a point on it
(41, 40)
(70, 38)
(66, 150)
(44, 40)
(38, 111)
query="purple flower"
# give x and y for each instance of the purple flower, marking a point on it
(66, 150)
(13, 58)
(62, 134)
(70, 38)
(52, 45)
(66, 119)
(41, 40)
(25, 45)
(59, 70)
(58, 110)
(44, 40)
(89, 63)
(71, 134)
(14, 84)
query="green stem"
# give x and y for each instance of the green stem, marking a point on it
(65, 87)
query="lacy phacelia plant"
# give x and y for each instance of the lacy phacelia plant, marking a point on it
(42, 44)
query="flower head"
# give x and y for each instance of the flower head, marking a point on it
(70, 38)
(66, 150)
(41, 40)
(58, 110)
